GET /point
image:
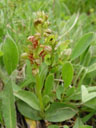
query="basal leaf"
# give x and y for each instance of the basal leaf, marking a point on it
(58, 112)
(8, 106)
(28, 111)
(59, 92)
(67, 73)
(49, 84)
(29, 98)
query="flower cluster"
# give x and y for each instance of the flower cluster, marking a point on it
(41, 43)
(37, 51)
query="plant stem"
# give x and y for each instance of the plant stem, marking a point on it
(39, 95)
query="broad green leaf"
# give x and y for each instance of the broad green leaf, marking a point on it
(78, 123)
(86, 96)
(91, 104)
(59, 92)
(1, 53)
(26, 82)
(49, 84)
(15, 87)
(29, 98)
(53, 126)
(10, 56)
(28, 111)
(85, 126)
(46, 100)
(92, 89)
(8, 106)
(82, 45)
(70, 91)
(58, 112)
(84, 93)
(67, 73)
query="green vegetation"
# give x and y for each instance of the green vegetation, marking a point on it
(48, 63)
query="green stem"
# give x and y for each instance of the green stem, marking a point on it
(39, 95)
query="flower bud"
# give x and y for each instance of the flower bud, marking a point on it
(38, 36)
(48, 31)
(24, 55)
(35, 71)
(47, 48)
(38, 21)
(31, 38)
(38, 61)
(45, 34)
